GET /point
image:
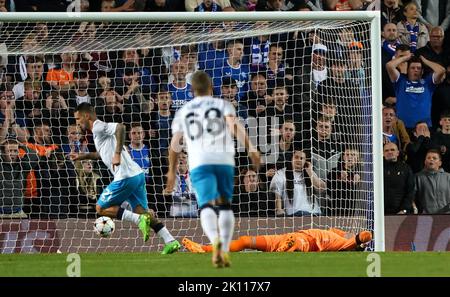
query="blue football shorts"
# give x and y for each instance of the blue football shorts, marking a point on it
(211, 182)
(130, 189)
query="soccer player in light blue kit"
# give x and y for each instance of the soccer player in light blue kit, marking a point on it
(207, 126)
(129, 179)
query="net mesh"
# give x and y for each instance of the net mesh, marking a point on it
(302, 90)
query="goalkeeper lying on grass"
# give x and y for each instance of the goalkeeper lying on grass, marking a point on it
(311, 240)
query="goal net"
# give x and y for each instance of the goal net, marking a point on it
(302, 88)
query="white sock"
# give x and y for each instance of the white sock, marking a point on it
(165, 235)
(208, 219)
(130, 217)
(226, 226)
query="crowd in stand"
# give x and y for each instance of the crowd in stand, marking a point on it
(305, 89)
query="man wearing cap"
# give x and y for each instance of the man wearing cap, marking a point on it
(319, 69)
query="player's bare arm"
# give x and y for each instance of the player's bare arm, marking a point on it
(174, 150)
(87, 156)
(238, 131)
(120, 138)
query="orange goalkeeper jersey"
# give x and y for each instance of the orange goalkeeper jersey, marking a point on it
(312, 240)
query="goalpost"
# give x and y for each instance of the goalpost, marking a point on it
(318, 72)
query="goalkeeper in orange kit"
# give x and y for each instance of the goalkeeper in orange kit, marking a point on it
(311, 240)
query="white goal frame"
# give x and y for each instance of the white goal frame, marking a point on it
(375, 43)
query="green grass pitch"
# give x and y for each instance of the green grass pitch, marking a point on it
(244, 264)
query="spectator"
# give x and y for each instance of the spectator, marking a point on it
(104, 86)
(340, 5)
(190, 5)
(394, 130)
(308, 79)
(61, 77)
(390, 12)
(319, 69)
(434, 49)
(180, 89)
(73, 142)
(96, 63)
(398, 182)
(257, 97)
(276, 70)
(388, 89)
(411, 31)
(12, 121)
(441, 99)
(293, 188)
(346, 41)
(344, 186)
(281, 108)
(280, 5)
(250, 198)
(441, 140)
(189, 56)
(328, 109)
(35, 72)
(50, 6)
(160, 123)
(31, 102)
(413, 92)
(84, 5)
(326, 150)
(257, 48)
(13, 172)
(211, 52)
(164, 5)
(390, 41)
(130, 89)
(80, 93)
(356, 70)
(209, 6)
(130, 63)
(339, 90)
(112, 110)
(270, 5)
(390, 44)
(434, 14)
(184, 201)
(57, 112)
(3, 6)
(110, 6)
(171, 54)
(89, 184)
(279, 154)
(432, 193)
(420, 144)
(39, 186)
(229, 92)
(140, 152)
(233, 67)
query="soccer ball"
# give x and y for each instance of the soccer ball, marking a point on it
(104, 226)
